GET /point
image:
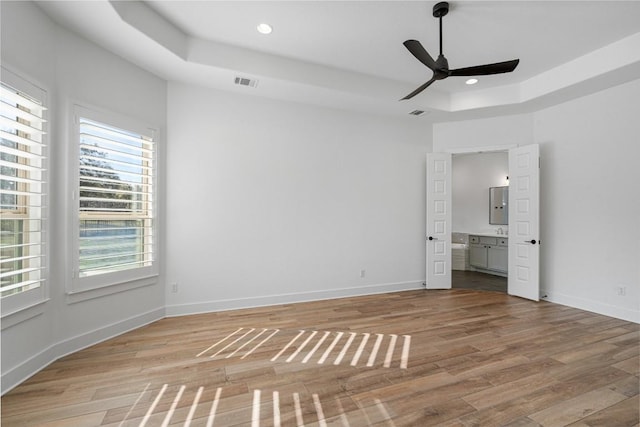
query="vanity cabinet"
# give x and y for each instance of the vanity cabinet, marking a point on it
(497, 258)
(489, 253)
(478, 255)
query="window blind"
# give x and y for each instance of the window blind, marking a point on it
(22, 196)
(116, 188)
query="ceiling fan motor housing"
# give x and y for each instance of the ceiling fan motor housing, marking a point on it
(442, 70)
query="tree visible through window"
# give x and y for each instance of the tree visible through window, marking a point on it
(116, 180)
(93, 165)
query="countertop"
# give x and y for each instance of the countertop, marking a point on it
(489, 234)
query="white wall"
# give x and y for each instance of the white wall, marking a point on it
(473, 174)
(496, 132)
(271, 202)
(589, 209)
(591, 200)
(72, 70)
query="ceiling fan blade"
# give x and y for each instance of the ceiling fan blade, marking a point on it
(420, 53)
(483, 70)
(420, 89)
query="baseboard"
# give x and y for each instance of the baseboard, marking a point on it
(593, 306)
(36, 363)
(26, 369)
(267, 300)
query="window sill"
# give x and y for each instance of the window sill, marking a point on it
(75, 296)
(23, 314)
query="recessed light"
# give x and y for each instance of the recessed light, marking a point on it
(264, 28)
(471, 81)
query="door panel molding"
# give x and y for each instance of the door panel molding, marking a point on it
(524, 218)
(438, 221)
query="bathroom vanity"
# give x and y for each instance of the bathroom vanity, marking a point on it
(489, 252)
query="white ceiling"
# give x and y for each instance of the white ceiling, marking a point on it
(349, 54)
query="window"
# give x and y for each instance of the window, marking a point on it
(22, 193)
(115, 202)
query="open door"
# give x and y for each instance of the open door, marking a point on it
(438, 239)
(524, 222)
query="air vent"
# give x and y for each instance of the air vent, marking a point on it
(416, 112)
(244, 81)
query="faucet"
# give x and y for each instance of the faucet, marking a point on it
(500, 231)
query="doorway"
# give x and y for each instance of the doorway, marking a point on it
(523, 244)
(473, 174)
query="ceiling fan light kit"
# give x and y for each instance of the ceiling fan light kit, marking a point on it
(440, 67)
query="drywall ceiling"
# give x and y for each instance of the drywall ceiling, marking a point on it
(349, 54)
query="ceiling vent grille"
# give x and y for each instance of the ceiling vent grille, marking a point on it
(416, 113)
(244, 81)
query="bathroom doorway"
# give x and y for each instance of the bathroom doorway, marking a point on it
(522, 245)
(473, 174)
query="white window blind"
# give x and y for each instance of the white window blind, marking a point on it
(22, 197)
(116, 206)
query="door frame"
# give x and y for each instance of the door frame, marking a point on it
(478, 150)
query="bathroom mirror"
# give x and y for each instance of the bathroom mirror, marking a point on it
(499, 205)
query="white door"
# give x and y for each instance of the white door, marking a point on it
(438, 236)
(524, 222)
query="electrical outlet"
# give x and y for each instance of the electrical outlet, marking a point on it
(621, 290)
(174, 288)
(362, 273)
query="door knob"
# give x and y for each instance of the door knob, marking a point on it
(532, 241)
(431, 238)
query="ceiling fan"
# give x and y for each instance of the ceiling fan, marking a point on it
(440, 67)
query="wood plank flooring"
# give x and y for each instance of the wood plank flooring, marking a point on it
(418, 358)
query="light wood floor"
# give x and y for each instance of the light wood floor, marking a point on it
(419, 358)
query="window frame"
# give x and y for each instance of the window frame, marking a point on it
(23, 305)
(81, 288)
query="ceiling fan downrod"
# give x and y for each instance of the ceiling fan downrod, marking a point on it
(440, 10)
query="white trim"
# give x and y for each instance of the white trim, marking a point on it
(592, 306)
(23, 314)
(486, 149)
(31, 301)
(268, 300)
(18, 374)
(83, 288)
(87, 294)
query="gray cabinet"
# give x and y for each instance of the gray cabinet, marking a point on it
(497, 258)
(489, 253)
(478, 256)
